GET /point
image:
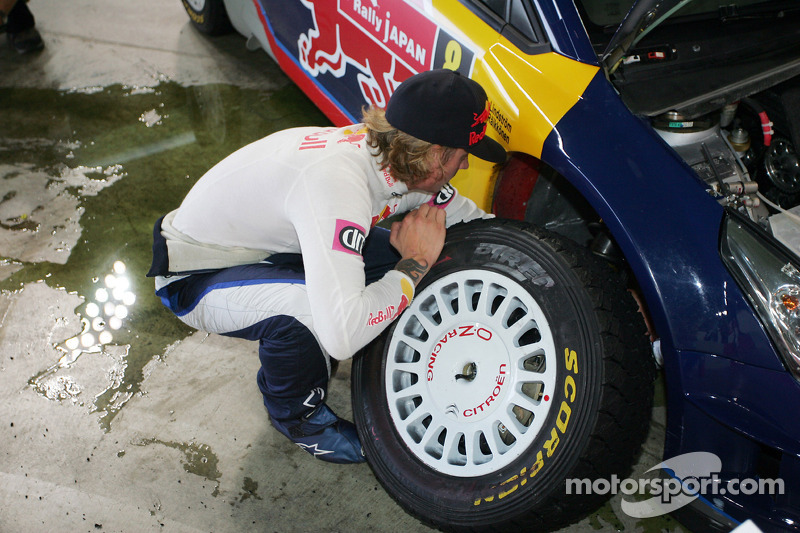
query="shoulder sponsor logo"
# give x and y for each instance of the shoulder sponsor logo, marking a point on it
(348, 237)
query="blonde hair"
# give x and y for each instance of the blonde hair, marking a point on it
(409, 159)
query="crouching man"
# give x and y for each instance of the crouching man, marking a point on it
(277, 243)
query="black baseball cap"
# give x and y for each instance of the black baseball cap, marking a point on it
(443, 107)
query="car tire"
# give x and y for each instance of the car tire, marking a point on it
(208, 16)
(521, 362)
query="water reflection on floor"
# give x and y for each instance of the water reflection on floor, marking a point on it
(83, 176)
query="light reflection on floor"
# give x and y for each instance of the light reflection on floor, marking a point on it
(106, 312)
(84, 174)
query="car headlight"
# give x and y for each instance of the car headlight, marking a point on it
(770, 277)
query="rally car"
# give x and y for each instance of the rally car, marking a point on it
(645, 220)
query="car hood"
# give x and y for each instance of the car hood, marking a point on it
(642, 15)
(742, 54)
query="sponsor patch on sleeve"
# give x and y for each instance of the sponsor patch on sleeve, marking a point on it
(408, 294)
(348, 237)
(443, 197)
(391, 312)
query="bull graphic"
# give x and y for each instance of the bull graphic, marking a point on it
(384, 42)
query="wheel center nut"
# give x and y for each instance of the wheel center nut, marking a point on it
(468, 373)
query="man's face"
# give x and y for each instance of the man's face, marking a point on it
(442, 173)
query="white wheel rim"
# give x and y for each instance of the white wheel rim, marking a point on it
(465, 420)
(197, 5)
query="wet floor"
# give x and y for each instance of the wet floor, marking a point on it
(113, 415)
(83, 176)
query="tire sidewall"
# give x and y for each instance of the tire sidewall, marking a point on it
(544, 466)
(198, 16)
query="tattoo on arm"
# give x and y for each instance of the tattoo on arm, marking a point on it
(413, 268)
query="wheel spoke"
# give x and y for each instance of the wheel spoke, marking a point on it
(515, 330)
(512, 425)
(464, 300)
(527, 403)
(413, 344)
(475, 456)
(408, 392)
(430, 442)
(426, 320)
(527, 376)
(501, 312)
(483, 301)
(452, 454)
(415, 426)
(491, 437)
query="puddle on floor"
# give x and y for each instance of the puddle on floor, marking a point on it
(83, 177)
(198, 459)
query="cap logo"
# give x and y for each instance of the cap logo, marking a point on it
(478, 119)
(483, 117)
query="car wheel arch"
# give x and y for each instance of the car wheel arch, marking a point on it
(528, 189)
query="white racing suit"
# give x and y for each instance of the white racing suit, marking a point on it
(277, 244)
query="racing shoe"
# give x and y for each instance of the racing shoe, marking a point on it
(25, 41)
(324, 435)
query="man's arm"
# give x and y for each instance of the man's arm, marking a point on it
(419, 238)
(413, 269)
(347, 314)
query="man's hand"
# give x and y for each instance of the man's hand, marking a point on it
(419, 238)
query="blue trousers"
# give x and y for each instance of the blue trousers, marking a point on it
(266, 302)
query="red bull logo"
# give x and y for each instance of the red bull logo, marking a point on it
(381, 316)
(482, 117)
(405, 299)
(480, 120)
(353, 138)
(385, 213)
(399, 43)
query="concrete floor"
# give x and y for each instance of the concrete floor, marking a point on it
(121, 419)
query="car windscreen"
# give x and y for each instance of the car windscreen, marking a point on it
(609, 13)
